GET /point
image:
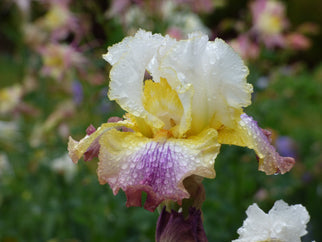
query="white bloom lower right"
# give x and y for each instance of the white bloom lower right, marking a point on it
(282, 223)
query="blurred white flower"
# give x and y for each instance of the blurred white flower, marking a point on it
(282, 223)
(10, 98)
(23, 6)
(64, 165)
(5, 166)
(9, 131)
(187, 22)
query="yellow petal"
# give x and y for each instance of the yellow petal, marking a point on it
(163, 102)
(77, 149)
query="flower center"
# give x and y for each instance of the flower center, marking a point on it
(163, 102)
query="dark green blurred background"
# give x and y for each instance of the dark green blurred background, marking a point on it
(39, 202)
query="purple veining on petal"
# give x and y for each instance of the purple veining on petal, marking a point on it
(155, 165)
(137, 164)
(155, 176)
(270, 161)
(174, 227)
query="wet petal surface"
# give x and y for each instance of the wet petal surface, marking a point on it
(281, 223)
(250, 135)
(130, 59)
(134, 163)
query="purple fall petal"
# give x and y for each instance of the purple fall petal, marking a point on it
(137, 164)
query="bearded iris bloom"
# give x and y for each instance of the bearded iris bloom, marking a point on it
(176, 121)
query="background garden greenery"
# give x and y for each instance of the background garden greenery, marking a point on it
(44, 198)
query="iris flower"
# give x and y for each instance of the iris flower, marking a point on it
(281, 223)
(176, 121)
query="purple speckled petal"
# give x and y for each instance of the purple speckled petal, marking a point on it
(249, 134)
(138, 164)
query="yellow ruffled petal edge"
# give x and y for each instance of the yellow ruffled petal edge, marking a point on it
(247, 133)
(76, 149)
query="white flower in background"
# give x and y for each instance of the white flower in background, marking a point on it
(282, 223)
(9, 131)
(64, 165)
(9, 98)
(23, 6)
(184, 21)
(188, 22)
(5, 166)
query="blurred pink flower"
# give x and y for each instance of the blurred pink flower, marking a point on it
(298, 41)
(175, 32)
(59, 21)
(199, 6)
(269, 22)
(246, 48)
(59, 59)
(117, 7)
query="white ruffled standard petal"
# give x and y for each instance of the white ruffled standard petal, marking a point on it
(216, 75)
(282, 223)
(130, 59)
(136, 164)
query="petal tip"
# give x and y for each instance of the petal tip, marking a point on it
(72, 150)
(286, 165)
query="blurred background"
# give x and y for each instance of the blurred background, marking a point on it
(53, 83)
